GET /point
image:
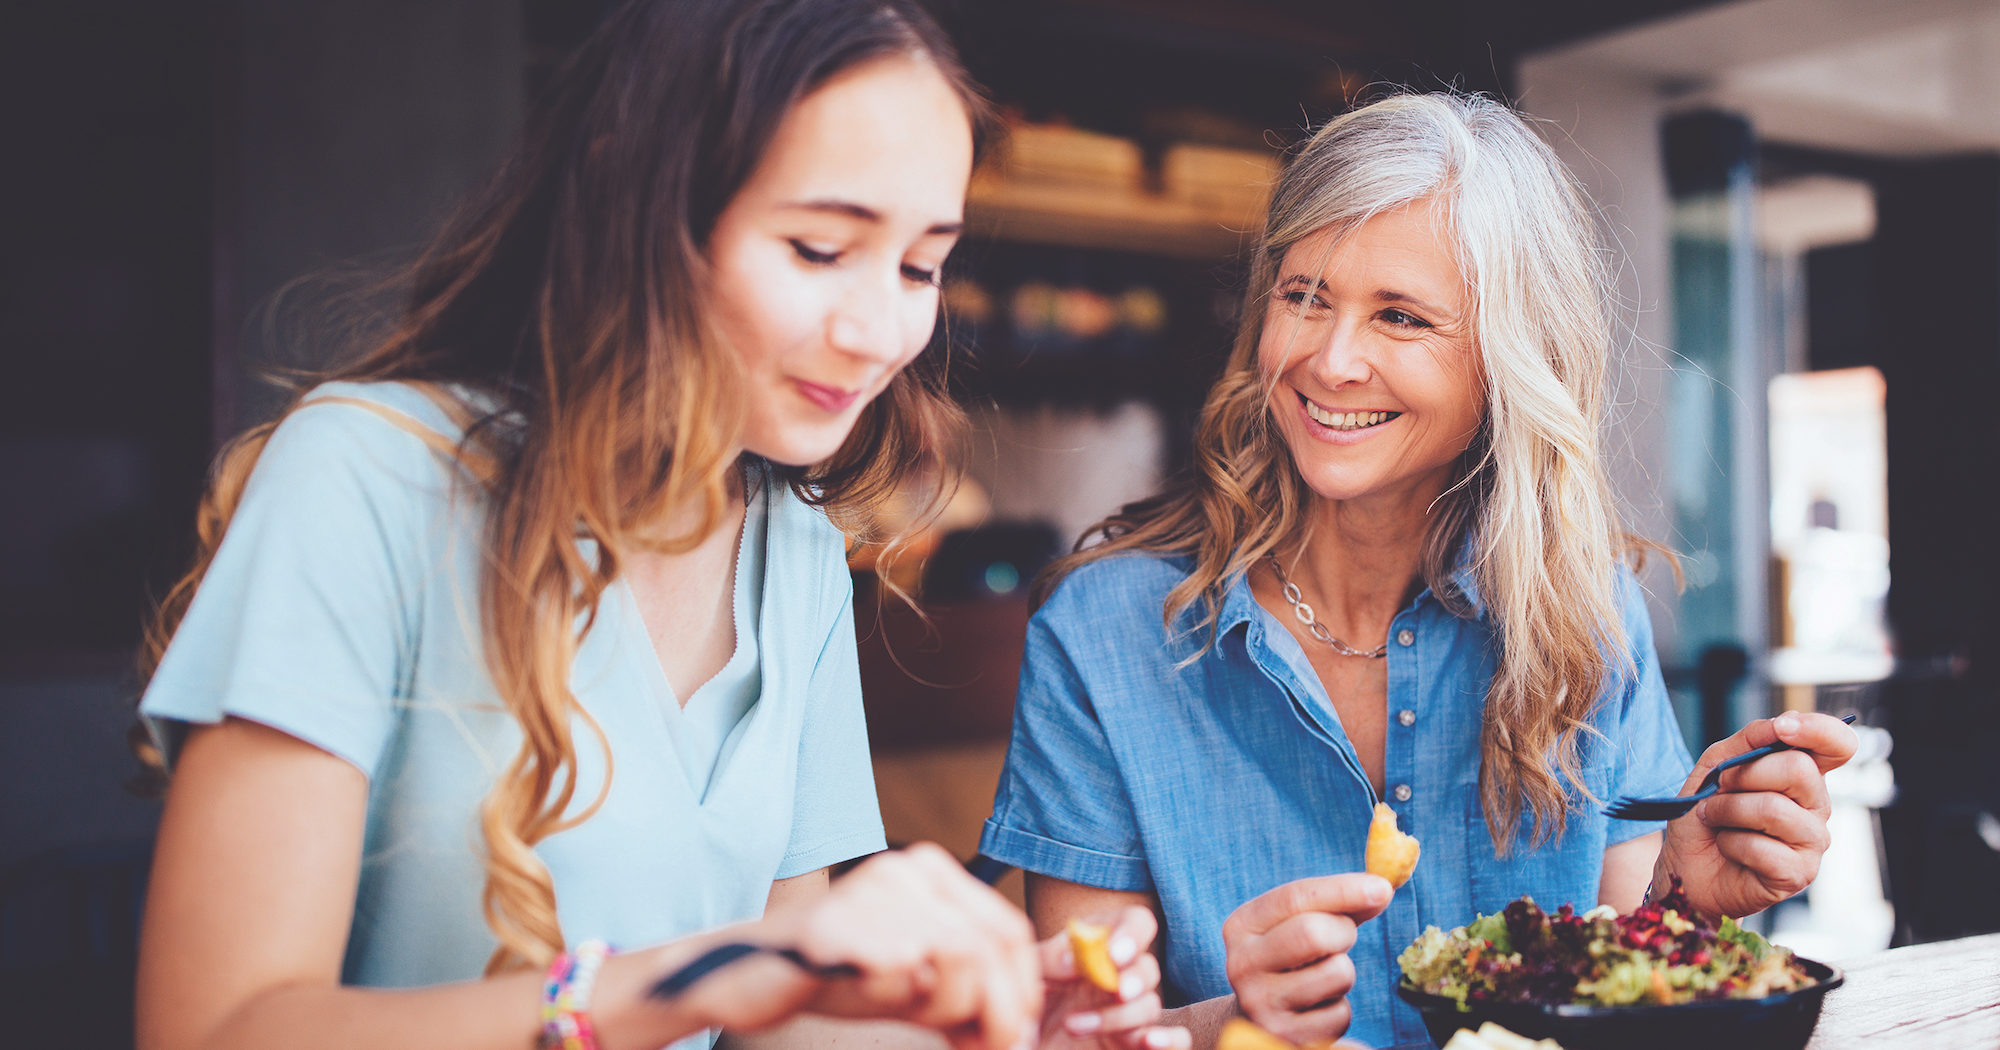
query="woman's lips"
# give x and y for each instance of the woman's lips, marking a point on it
(1352, 427)
(832, 399)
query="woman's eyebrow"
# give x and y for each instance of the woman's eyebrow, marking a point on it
(1314, 283)
(865, 213)
(1392, 296)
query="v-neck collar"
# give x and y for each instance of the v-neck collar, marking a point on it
(683, 722)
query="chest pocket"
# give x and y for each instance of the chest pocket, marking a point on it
(1564, 870)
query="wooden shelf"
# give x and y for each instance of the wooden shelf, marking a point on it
(1085, 216)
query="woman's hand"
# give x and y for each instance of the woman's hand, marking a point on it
(935, 948)
(1287, 952)
(1080, 1014)
(1759, 839)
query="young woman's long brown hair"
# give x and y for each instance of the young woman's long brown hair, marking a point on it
(1531, 503)
(569, 294)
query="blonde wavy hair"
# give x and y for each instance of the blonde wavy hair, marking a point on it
(1531, 501)
(569, 294)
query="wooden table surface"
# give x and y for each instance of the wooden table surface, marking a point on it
(1944, 995)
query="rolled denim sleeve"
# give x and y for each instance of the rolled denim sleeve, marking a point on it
(1062, 809)
(1652, 757)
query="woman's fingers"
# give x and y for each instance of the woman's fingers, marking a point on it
(1158, 1039)
(1767, 812)
(1779, 867)
(1829, 741)
(995, 948)
(1315, 986)
(1328, 1022)
(1125, 1017)
(935, 948)
(1305, 939)
(1357, 895)
(1132, 934)
(1793, 773)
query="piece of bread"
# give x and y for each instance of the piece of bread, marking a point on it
(1391, 854)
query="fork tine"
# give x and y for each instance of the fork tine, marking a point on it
(1646, 809)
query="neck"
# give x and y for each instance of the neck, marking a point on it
(1362, 558)
(683, 519)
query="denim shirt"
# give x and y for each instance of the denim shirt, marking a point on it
(1206, 783)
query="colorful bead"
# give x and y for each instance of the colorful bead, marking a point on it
(566, 997)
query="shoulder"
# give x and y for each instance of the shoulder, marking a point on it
(385, 446)
(1628, 594)
(1120, 591)
(396, 420)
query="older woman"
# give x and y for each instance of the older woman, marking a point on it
(1393, 574)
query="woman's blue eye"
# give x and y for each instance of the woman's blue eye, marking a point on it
(1301, 298)
(814, 255)
(1399, 318)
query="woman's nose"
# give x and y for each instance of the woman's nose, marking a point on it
(1343, 359)
(864, 322)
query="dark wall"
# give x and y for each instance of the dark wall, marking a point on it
(104, 284)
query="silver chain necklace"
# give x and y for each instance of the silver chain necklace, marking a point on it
(1305, 614)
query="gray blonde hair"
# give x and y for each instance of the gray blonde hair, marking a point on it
(1532, 502)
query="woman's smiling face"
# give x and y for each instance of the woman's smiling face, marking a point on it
(1373, 365)
(826, 261)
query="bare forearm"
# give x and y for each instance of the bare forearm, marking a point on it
(501, 1013)
(1204, 1020)
(821, 1033)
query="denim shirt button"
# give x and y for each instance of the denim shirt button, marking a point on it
(1406, 717)
(1406, 637)
(1402, 792)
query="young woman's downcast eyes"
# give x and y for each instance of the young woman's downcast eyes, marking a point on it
(913, 273)
(813, 255)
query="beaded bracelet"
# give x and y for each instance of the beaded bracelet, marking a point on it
(566, 998)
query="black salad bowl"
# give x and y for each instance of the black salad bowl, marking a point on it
(1775, 1022)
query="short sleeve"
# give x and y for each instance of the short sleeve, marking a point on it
(1061, 809)
(835, 815)
(1652, 758)
(304, 619)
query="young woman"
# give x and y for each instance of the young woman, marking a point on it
(1392, 576)
(530, 630)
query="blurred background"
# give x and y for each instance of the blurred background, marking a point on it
(1804, 197)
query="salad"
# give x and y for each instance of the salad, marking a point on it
(1664, 952)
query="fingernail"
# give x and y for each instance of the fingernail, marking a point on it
(1123, 949)
(1380, 891)
(1130, 986)
(1788, 723)
(1701, 812)
(1083, 1024)
(1159, 1039)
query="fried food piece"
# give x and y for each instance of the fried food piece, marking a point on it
(1391, 854)
(1245, 1035)
(1493, 1037)
(1092, 946)
(1240, 1034)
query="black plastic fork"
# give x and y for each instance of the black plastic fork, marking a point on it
(985, 869)
(1629, 808)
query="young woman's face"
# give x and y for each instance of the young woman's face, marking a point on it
(1368, 342)
(826, 263)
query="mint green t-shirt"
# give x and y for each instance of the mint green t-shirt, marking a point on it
(342, 608)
